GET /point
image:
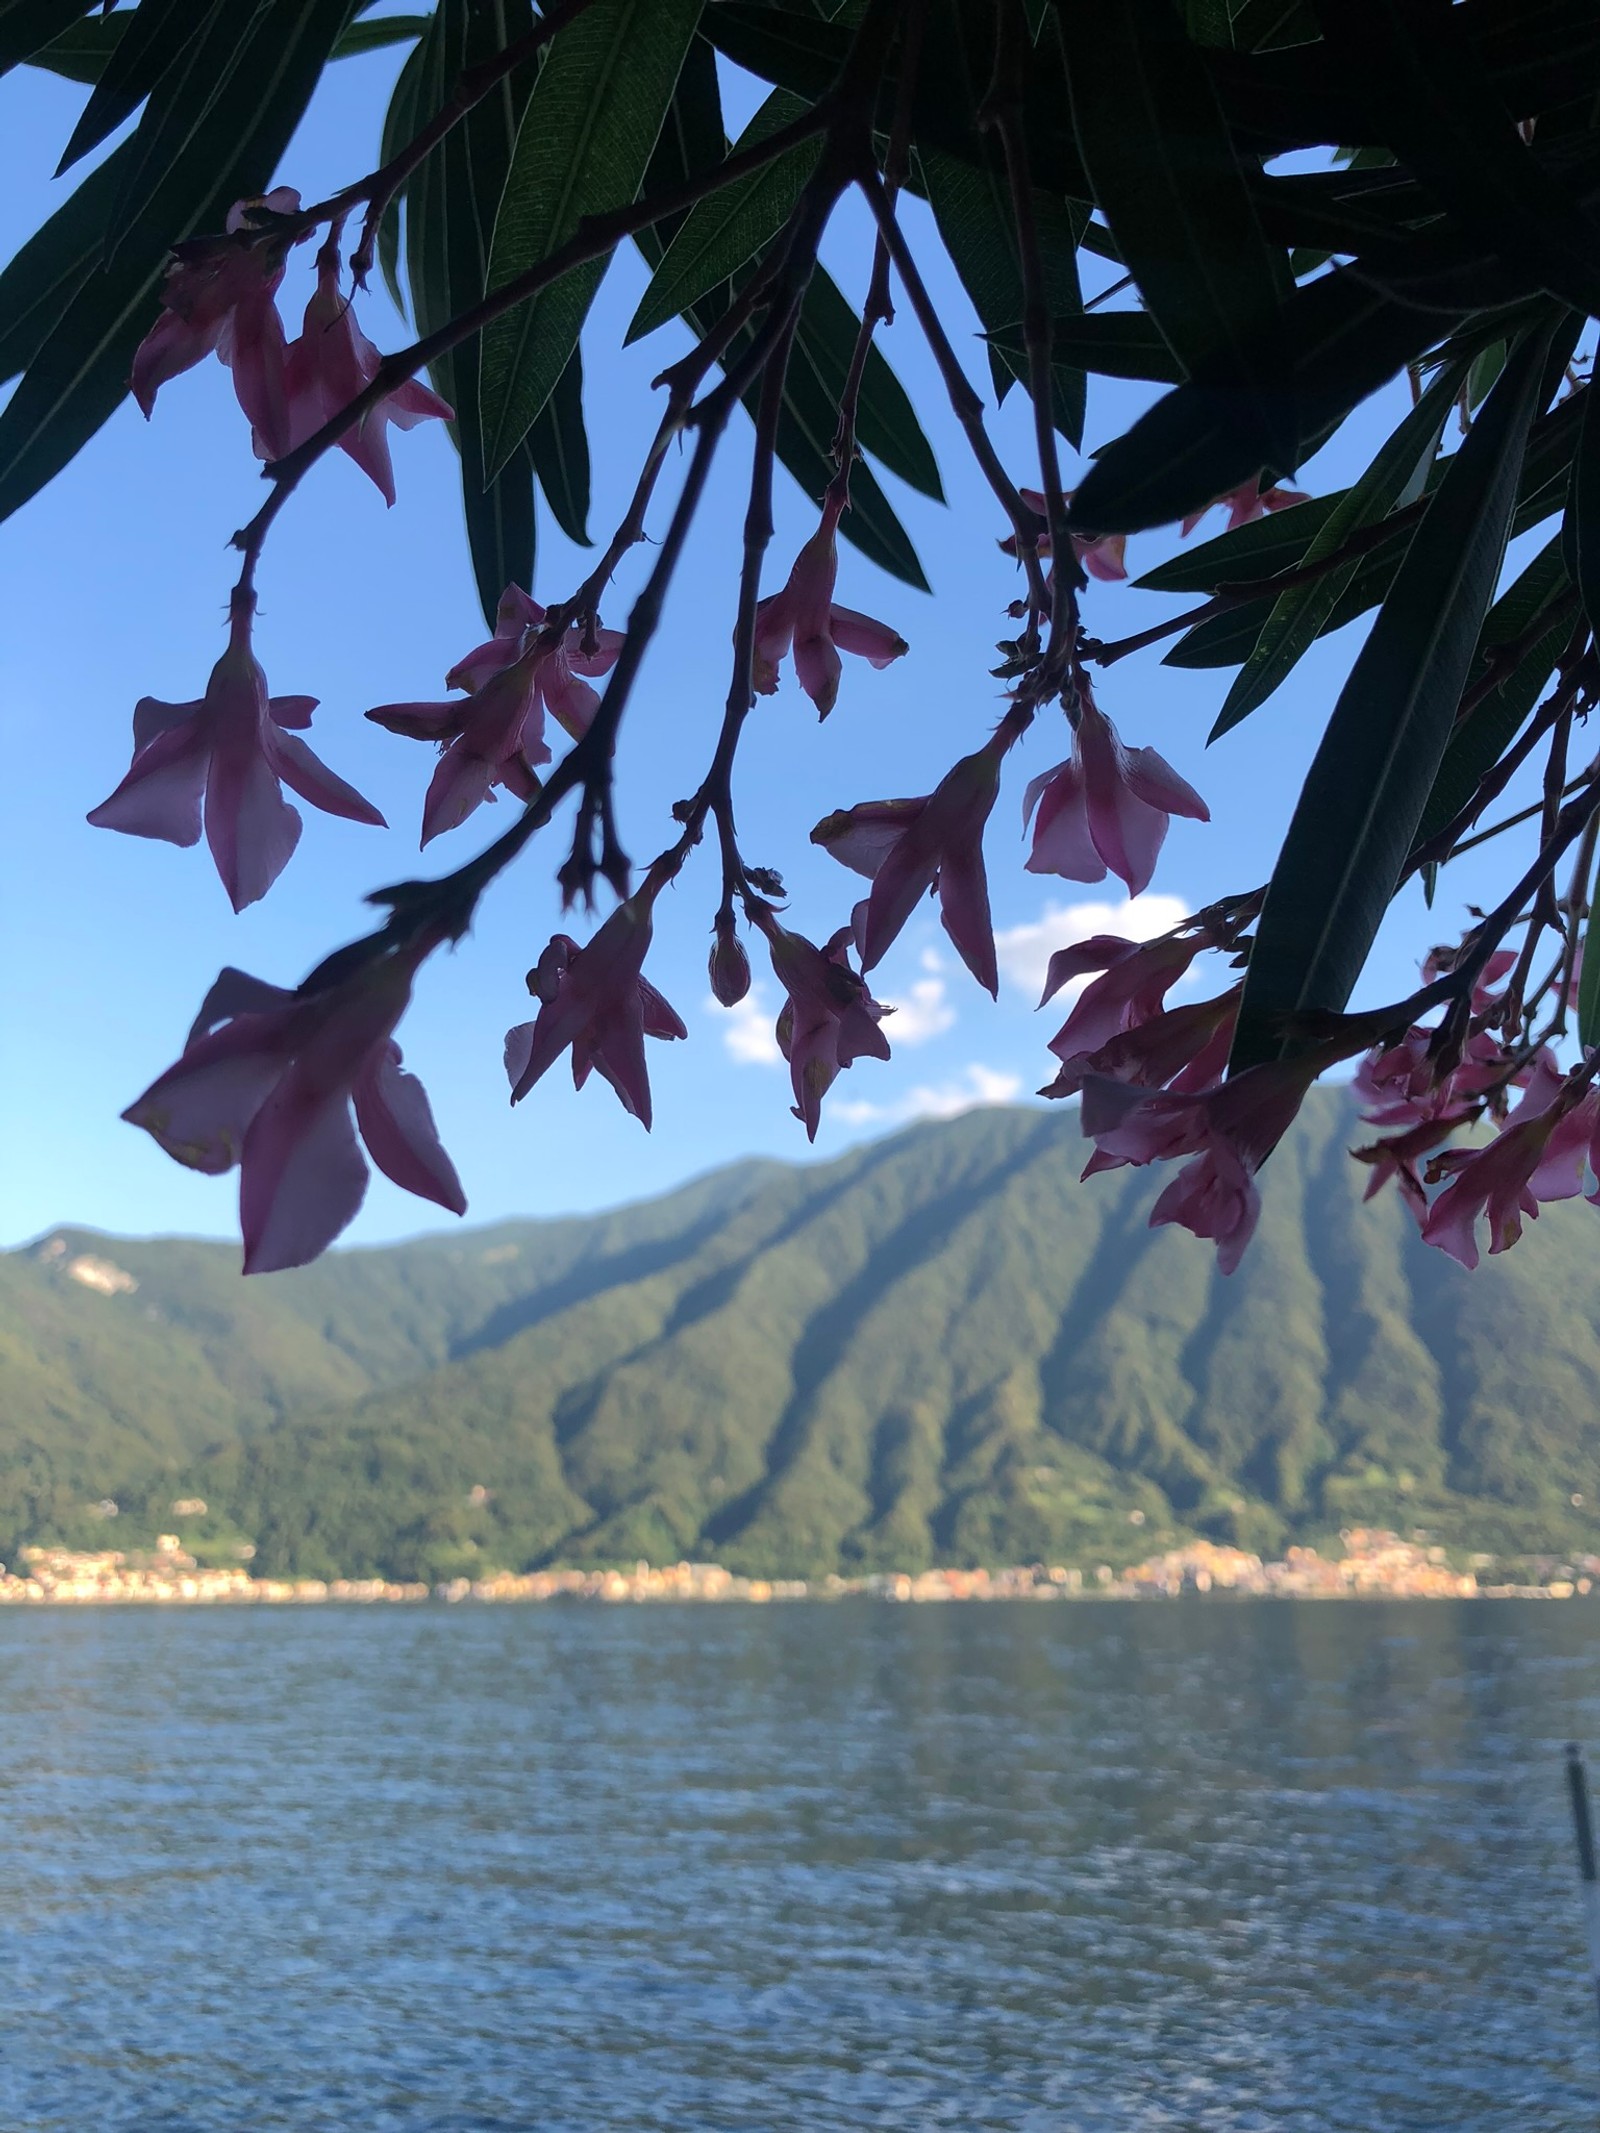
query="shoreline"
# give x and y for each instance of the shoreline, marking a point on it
(1376, 1565)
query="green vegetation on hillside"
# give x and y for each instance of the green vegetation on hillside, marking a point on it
(939, 1348)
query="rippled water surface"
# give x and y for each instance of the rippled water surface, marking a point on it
(1083, 1867)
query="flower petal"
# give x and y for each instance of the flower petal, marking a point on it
(251, 828)
(160, 796)
(306, 773)
(396, 1122)
(459, 785)
(302, 1176)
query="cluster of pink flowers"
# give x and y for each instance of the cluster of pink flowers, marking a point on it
(804, 619)
(1107, 808)
(269, 1081)
(225, 759)
(495, 733)
(220, 298)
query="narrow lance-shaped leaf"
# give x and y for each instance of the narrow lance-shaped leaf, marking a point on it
(148, 41)
(1589, 981)
(583, 146)
(558, 445)
(58, 259)
(692, 141)
(1581, 530)
(1301, 613)
(1159, 152)
(450, 211)
(721, 234)
(1367, 787)
(973, 209)
(26, 25)
(1109, 344)
(1541, 592)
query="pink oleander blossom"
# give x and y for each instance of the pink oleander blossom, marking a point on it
(226, 755)
(1228, 1131)
(596, 1000)
(1104, 558)
(1247, 503)
(908, 847)
(1539, 1155)
(1132, 989)
(495, 734)
(332, 362)
(1106, 807)
(803, 617)
(218, 296)
(1184, 1049)
(828, 1021)
(269, 1080)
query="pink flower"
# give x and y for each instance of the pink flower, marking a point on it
(907, 847)
(1185, 1049)
(1133, 990)
(596, 1000)
(218, 296)
(1229, 1131)
(828, 1021)
(495, 734)
(1538, 1155)
(268, 1080)
(1106, 807)
(1249, 501)
(1104, 558)
(803, 616)
(332, 362)
(231, 749)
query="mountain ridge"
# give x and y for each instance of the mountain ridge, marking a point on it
(937, 1347)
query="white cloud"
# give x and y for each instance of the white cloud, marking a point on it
(923, 1012)
(947, 1099)
(1025, 951)
(748, 1034)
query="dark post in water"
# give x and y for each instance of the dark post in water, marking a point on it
(1583, 1829)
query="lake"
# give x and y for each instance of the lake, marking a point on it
(1083, 1868)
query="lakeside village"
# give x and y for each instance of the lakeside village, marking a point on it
(1375, 1564)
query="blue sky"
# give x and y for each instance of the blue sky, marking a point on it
(113, 585)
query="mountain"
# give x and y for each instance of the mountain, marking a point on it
(941, 1347)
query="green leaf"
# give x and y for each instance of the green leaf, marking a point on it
(83, 52)
(972, 207)
(559, 447)
(722, 233)
(1369, 783)
(26, 26)
(583, 146)
(146, 44)
(1259, 550)
(1334, 342)
(401, 124)
(80, 371)
(1432, 101)
(1589, 983)
(55, 263)
(380, 31)
(450, 208)
(1301, 613)
(194, 84)
(1582, 531)
(1159, 153)
(692, 141)
(1480, 739)
(1111, 344)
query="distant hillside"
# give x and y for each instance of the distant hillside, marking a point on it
(938, 1348)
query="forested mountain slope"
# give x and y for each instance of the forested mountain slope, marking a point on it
(939, 1348)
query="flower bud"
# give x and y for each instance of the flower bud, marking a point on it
(729, 965)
